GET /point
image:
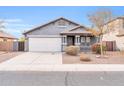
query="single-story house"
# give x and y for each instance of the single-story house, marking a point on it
(6, 41)
(5, 37)
(57, 34)
(116, 34)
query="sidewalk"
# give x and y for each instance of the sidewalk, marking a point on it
(70, 67)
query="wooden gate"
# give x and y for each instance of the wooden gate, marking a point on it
(110, 45)
(21, 46)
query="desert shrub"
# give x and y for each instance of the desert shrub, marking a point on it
(96, 48)
(84, 57)
(72, 50)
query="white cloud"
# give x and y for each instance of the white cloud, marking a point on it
(16, 23)
(13, 20)
(16, 26)
(13, 30)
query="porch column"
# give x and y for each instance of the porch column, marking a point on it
(77, 40)
(64, 40)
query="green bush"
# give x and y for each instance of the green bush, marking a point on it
(97, 49)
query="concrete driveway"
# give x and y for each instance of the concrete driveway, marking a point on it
(33, 58)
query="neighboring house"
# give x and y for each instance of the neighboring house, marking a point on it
(116, 33)
(6, 41)
(5, 37)
(57, 34)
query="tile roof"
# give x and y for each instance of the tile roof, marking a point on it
(6, 35)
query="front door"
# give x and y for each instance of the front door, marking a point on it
(70, 40)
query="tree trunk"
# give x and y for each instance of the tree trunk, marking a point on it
(101, 44)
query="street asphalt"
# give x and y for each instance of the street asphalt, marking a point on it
(39, 78)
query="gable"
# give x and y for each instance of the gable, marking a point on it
(77, 30)
(53, 27)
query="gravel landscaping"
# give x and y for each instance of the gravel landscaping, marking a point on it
(113, 58)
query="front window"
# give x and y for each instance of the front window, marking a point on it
(82, 39)
(87, 39)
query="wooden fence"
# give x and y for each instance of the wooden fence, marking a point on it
(12, 46)
(110, 45)
(6, 46)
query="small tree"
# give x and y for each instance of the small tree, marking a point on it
(99, 20)
(21, 39)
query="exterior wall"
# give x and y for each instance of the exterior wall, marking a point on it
(1, 39)
(52, 29)
(112, 34)
(112, 37)
(6, 46)
(63, 47)
(115, 25)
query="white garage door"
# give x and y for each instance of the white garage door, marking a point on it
(44, 44)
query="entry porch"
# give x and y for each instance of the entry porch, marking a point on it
(83, 41)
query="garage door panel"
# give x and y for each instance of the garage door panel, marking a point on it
(45, 44)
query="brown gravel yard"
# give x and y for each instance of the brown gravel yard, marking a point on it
(8, 55)
(113, 58)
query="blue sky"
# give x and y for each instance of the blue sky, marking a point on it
(20, 18)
